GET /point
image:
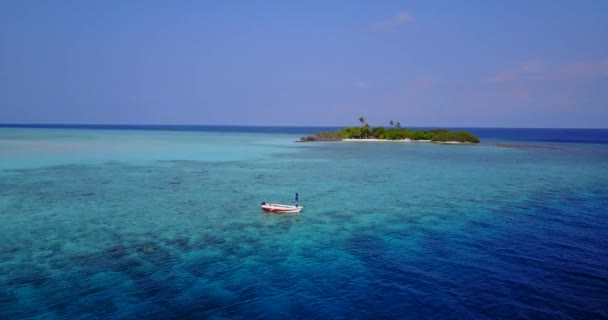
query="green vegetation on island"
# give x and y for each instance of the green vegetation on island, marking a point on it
(459, 136)
(395, 132)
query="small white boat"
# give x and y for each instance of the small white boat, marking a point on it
(280, 208)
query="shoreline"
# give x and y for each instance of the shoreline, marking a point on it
(404, 140)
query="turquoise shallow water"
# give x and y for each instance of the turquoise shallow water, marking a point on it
(152, 224)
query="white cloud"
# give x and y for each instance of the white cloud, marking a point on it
(586, 69)
(529, 69)
(536, 70)
(394, 23)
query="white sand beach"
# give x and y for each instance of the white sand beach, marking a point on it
(402, 140)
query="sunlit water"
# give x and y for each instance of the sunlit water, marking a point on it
(152, 224)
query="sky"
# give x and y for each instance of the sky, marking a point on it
(423, 63)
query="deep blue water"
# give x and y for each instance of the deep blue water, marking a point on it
(186, 128)
(500, 134)
(543, 135)
(107, 223)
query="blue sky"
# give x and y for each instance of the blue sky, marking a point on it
(423, 63)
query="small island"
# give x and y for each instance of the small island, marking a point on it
(394, 133)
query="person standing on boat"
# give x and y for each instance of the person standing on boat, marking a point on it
(297, 199)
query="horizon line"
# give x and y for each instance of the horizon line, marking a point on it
(270, 126)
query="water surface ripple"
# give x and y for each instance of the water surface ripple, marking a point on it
(157, 225)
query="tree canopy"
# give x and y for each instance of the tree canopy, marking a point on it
(365, 131)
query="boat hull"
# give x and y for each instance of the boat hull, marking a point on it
(281, 208)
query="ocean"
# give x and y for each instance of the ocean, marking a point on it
(164, 222)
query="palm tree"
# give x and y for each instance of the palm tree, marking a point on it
(392, 123)
(364, 128)
(365, 131)
(398, 125)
